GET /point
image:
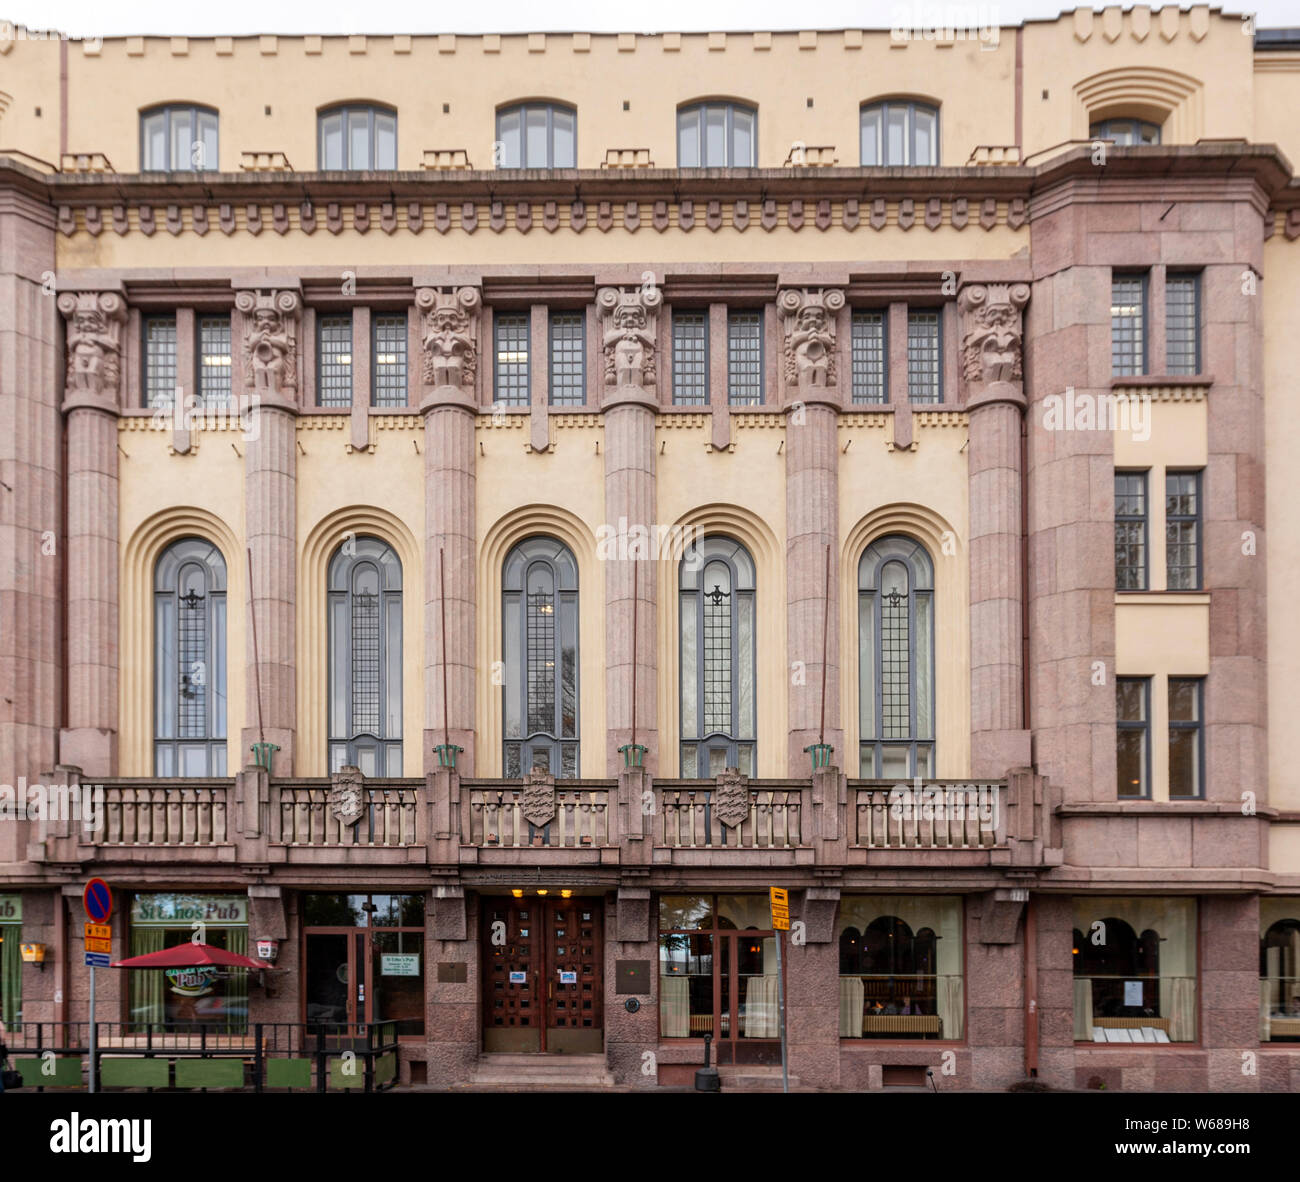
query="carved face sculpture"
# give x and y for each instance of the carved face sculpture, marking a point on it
(89, 323)
(266, 324)
(630, 317)
(999, 353)
(812, 319)
(447, 329)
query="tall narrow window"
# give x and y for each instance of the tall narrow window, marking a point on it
(568, 358)
(537, 135)
(898, 134)
(868, 357)
(1130, 531)
(214, 360)
(159, 360)
(388, 383)
(1186, 738)
(745, 358)
(1183, 531)
(357, 138)
(178, 138)
(1133, 741)
(511, 369)
(717, 135)
(1128, 305)
(718, 656)
(690, 358)
(540, 647)
(190, 660)
(365, 658)
(924, 364)
(334, 360)
(1182, 324)
(896, 659)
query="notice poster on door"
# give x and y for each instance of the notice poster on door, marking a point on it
(568, 978)
(399, 964)
(1132, 993)
(518, 978)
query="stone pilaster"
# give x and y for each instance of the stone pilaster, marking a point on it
(812, 399)
(449, 339)
(991, 358)
(268, 331)
(629, 334)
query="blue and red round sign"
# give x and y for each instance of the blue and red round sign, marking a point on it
(98, 900)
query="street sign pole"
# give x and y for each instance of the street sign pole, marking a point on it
(92, 1028)
(97, 898)
(780, 992)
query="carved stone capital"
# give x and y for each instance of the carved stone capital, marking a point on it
(269, 343)
(629, 334)
(449, 333)
(809, 339)
(993, 332)
(96, 331)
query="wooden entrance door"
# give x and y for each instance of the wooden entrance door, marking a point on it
(543, 975)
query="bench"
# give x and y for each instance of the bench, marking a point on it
(901, 1024)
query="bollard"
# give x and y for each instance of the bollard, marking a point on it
(706, 1078)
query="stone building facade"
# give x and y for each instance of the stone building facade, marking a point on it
(481, 542)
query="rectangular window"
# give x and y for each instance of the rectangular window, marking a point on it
(923, 362)
(1182, 324)
(388, 382)
(1128, 342)
(1183, 531)
(1132, 745)
(11, 965)
(510, 374)
(690, 359)
(868, 357)
(900, 967)
(159, 360)
(568, 359)
(1186, 738)
(745, 358)
(334, 360)
(214, 360)
(1130, 531)
(1134, 961)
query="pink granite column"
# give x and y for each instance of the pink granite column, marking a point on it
(995, 406)
(32, 464)
(448, 330)
(811, 401)
(270, 513)
(625, 384)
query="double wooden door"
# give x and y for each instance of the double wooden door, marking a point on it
(543, 976)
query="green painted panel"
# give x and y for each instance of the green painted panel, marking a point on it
(66, 1072)
(386, 1067)
(134, 1073)
(209, 1073)
(288, 1073)
(340, 1079)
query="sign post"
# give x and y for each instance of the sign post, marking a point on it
(98, 902)
(780, 899)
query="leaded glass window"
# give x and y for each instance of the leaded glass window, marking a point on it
(159, 360)
(365, 658)
(190, 660)
(540, 650)
(896, 660)
(868, 357)
(388, 384)
(214, 360)
(718, 656)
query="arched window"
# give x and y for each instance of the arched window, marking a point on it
(537, 135)
(540, 647)
(718, 652)
(896, 660)
(357, 137)
(178, 137)
(1279, 975)
(364, 583)
(898, 133)
(1126, 133)
(190, 660)
(717, 135)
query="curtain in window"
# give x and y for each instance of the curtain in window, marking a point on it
(851, 999)
(675, 1007)
(237, 985)
(1178, 1004)
(760, 998)
(1083, 1009)
(146, 986)
(11, 974)
(1264, 1010)
(950, 1008)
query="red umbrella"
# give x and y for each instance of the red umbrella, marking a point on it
(188, 955)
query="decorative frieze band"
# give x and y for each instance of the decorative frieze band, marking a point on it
(523, 217)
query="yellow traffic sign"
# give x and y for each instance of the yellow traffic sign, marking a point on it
(93, 945)
(99, 931)
(780, 909)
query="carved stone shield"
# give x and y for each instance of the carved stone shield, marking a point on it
(347, 795)
(731, 799)
(539, 798)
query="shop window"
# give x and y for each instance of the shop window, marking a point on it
(1279, 970)
(11, 961)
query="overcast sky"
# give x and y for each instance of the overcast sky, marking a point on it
(92, 18)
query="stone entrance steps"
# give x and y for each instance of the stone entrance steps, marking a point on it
(753, 1079)
(528, 1073)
